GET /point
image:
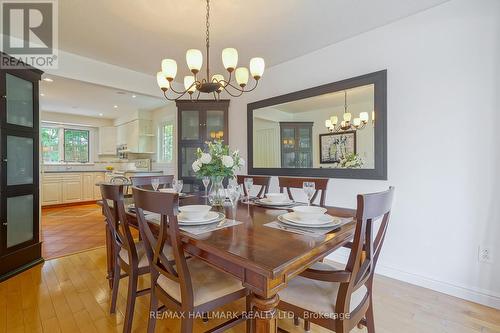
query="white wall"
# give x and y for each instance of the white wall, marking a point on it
(443, 105)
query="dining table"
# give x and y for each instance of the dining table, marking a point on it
(264, 259)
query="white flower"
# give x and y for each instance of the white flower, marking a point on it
(241, 162)
(227, 161)
(197, 165)
(205, 158)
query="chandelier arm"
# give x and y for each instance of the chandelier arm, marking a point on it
(170, 99)
(255, 86)
(198, 96)
(229, 92)
(177, 92)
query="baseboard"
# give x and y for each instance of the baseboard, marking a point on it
(69, 204)
(484, 297)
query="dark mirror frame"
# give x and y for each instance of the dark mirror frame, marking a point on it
(379, 80)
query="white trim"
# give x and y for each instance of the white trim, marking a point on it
(476, 295)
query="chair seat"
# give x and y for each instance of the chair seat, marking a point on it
(317, 296)
(141, 254)
(208, 283)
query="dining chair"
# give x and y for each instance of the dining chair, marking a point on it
(191, 287)
(341, 298)
(129, 256)
(145, 181)
(121, 180)
(288, 183)
(262, 181)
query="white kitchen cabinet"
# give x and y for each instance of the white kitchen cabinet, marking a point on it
(52, 189)
(98, 177)
(88, 186)
(72, 187)
(137, 135)
(108, 137)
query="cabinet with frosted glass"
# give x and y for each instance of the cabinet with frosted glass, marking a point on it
(198, 122)
(20, 246)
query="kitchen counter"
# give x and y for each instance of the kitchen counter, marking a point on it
(120, 171)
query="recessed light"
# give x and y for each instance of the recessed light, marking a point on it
(48, 79)
(134, 96)
(100, 115)
(116, 106)
(42, 94)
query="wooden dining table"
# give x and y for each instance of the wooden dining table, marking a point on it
(263, 258)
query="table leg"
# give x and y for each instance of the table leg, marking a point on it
(266, 314)
(110, 262)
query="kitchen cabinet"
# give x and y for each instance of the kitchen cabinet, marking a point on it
(70, 187)
(107, 140)
(98, 177)
(137, 135)
(88, 185)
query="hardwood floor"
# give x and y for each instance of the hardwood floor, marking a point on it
(67, 230)
(71, 294)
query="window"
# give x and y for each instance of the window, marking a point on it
(166, 142)
(65, 144)
(50, 145)
(76, 145)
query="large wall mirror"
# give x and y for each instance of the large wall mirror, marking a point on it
(338, 130)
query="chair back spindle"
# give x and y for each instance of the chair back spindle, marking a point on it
(320, 185)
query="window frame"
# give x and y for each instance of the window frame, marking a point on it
(64, 144)
(62, 127)
(161, 139)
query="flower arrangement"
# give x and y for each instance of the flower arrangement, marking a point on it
(218, 161)
(351, 160)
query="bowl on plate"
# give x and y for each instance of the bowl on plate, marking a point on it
(311, 213)
(194, 212)
(275, 197)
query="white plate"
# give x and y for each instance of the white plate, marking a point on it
(267, 202)
(211, 217)
(324, 221)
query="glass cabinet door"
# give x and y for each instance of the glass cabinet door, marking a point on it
(215, 125)
(19, 160)
(190, 125)
(19, 219)
(19, 96)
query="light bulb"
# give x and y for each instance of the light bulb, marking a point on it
(373, 115)
(356, 122)
(169, 68)
(328, 123)
(342, 124)
(217, 78)
(364, 117)
(242, 76)
(194, 60)
(347, 116)
(257, 66)
(188, 84)
(334, 120)
(230, 58)
(162, 81)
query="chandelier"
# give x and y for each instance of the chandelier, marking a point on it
(210, 85)
(346, 124)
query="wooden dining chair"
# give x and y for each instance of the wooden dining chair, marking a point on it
(288, 183)
(121, 180)
(191, 287)
(340, 299)
(129, 256)
(262, 181)
(145, 181)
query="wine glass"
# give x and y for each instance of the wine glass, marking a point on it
(309, 188)
(233, 193)
(178, 185)
(155, 183)
(248, 185)
(206, 181)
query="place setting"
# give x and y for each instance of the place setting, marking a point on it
(308, 220)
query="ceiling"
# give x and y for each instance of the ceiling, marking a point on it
(358, 95)
(80, 98)
(139, 34)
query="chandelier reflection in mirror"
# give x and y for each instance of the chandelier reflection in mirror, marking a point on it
(348, 124)
(210, 85)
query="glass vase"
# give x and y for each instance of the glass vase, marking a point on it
(216, 193)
